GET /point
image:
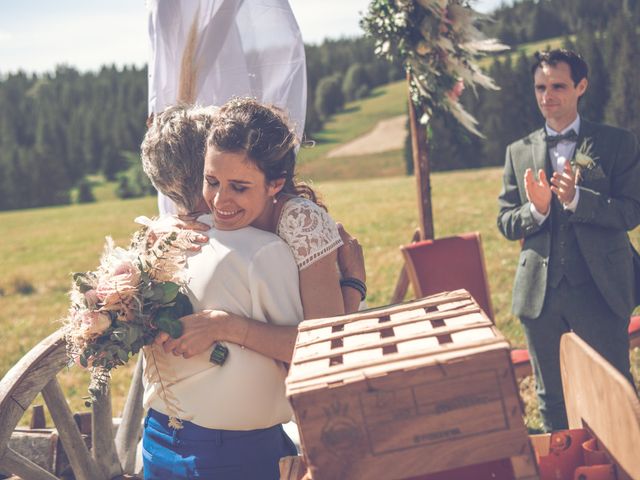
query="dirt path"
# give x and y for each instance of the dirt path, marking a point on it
(387, 135)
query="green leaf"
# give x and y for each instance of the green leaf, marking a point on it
(182, 306)
(122, 355)
(169, 290)
(83, 281)
(169, 323)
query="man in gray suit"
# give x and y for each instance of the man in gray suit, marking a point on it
(571, 191)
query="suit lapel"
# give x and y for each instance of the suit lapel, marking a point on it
(587, 130)
(540, 153)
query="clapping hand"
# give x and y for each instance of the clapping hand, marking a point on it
(563, 185)
(538, 191)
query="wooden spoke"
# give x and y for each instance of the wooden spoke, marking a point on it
(36, 372)
(84, 468)
(104, 448)
(129, 431)
(15, 463)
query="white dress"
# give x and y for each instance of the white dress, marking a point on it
(251, 273)
(308, 230)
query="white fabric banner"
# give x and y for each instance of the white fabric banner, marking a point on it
(235, 47)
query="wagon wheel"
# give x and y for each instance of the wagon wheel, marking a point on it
(36, 373)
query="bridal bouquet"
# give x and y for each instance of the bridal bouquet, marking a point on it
(133, 295)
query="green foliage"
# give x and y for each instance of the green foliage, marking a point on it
(356, 83)
(133, 182)
(85, 193)
(58, 127)
(329, 97)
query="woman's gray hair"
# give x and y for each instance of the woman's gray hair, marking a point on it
(173, 150)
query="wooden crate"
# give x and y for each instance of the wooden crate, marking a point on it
(406, 390)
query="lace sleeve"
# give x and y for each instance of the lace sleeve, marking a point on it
(308, 230)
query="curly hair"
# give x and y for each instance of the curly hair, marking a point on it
(264, 134)
(173, 150)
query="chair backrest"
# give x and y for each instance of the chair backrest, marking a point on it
(449, 263)
(600, 398)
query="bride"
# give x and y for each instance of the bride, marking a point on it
(248, 187)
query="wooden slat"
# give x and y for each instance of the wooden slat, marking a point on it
(104, 448)
(432, 301)
(84, 468)
(428, 317)
(383, 342)
(24, 468)
(129, 429)
(599, 397)
(26, 379)
(390, 362)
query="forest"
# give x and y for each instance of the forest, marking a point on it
(59, 129)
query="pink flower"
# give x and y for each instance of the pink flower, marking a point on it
(93, 324)
(91, 299)
(120, 287)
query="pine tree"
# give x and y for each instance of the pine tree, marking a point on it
(594, 100)
(623, 108)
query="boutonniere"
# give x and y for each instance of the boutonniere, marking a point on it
(584, 161)
(584, 157)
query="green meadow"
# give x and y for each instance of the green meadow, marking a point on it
(369, 194)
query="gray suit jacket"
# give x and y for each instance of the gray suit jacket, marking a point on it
(609, 206)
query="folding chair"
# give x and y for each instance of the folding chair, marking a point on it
(451, 263)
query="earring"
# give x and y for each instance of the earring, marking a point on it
(275, 200)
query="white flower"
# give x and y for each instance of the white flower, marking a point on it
(400, 19)
(584, 157)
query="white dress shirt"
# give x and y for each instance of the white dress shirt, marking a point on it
(251, 273)
(559, 155)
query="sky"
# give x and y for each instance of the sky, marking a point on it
(37, 35)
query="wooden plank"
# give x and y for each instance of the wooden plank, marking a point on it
(392, 341)
(598, 397)
(376, 327)
(84, 468)
(129, 430)
(427, 302)
(23, 467)
(102, 441)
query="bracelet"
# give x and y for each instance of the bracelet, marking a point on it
(356, 284)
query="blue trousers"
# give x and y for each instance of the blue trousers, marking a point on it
(583, 310)
(198, 452)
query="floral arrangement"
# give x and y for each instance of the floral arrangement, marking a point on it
(585, 163)
(133, 295)
(438, 43)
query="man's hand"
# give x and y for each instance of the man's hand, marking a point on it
(538, 192)
(564, 184)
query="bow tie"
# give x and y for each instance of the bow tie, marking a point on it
(553, 140)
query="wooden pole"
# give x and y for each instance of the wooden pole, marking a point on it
(421, 171)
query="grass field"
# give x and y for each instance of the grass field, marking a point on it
(40, 248)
